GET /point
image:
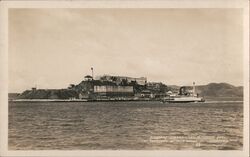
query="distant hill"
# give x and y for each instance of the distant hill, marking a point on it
(215, 90)
(220, 90)
(13, 96)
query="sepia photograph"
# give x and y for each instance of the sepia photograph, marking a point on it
(126, 78)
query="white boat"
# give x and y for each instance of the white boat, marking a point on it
(183, 96)
(183, 99)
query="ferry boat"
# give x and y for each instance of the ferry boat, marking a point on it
(184, 96)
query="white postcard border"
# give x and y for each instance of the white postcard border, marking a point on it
(115, 4)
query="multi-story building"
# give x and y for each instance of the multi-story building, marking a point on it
(104, 90)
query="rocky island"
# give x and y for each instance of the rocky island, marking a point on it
(108, 87)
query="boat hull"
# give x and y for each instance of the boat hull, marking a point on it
(183, 100)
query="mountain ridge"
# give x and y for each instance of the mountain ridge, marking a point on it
(216, 90)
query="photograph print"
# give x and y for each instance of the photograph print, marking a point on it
(125, 79)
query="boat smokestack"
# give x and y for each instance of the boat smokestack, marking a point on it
(193, 88)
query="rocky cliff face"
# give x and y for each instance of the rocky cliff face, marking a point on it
(48, 94)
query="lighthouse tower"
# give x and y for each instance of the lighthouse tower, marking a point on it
(92, 70)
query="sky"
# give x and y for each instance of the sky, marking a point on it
(52, 48)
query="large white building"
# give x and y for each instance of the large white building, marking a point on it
(114, 90)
